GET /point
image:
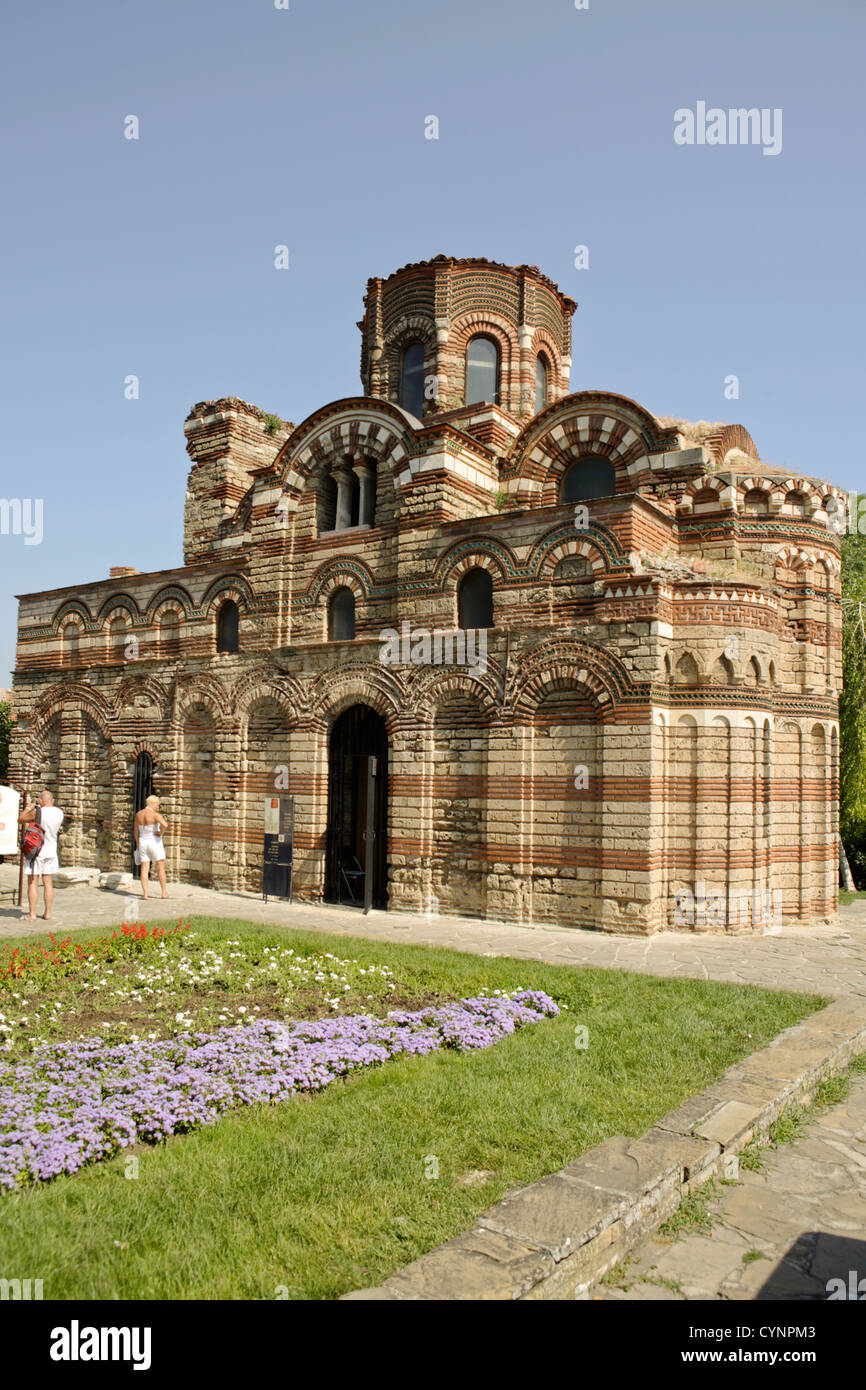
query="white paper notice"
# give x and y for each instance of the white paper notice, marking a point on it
(10, 801)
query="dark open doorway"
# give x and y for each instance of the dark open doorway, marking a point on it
(142, 788)
(357, 866)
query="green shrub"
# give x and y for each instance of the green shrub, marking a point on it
(6, 722)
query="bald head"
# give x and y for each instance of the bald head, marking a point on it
(46, 799)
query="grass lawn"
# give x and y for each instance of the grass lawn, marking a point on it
(333, 1191)
(846, 897)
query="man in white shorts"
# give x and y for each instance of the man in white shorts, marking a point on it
(45, 865)
(149, 825)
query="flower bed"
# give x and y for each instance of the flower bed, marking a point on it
(36, 961)
(148, 983)
(73, 1103)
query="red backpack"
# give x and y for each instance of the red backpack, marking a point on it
(33, 838)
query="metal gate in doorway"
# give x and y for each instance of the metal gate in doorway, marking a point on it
(357, 847)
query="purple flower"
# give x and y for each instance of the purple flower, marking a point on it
(77, 1102)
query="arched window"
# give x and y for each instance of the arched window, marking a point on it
(228, 621)
(70, 643)
(540, 382)
(412, 379)
(482, 371)
(354, 499)
(588, 478)
(475, 599)
(341, 616)
(326, 501)
(369, 485)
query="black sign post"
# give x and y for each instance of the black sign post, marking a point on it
(279, 846)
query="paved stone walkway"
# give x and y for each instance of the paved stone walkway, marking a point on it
(782, 1233)
(822, 959)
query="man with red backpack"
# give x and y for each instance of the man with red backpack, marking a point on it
(39, 847)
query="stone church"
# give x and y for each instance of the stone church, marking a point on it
(591, 654)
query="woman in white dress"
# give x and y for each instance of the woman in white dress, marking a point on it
(149, 825)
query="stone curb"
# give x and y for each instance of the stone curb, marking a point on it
(556, 1238)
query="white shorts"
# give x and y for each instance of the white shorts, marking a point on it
(42, 864)
(151, 850)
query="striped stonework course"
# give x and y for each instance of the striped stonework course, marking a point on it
(651, 737)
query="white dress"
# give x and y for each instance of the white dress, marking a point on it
(150, 846)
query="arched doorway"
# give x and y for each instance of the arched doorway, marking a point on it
(357, 808)
(142, 788)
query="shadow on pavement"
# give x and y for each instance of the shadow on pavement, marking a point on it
(819, 1266)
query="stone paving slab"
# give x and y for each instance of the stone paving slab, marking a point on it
(479, 1265)
(804, 1215)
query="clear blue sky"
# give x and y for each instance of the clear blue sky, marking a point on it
(306, 127)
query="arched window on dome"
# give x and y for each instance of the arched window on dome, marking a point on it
(475, 599)
(341, 616)
(228, 625)
(541, 377)
(588, 478)
(412, 379)
(482, 371)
